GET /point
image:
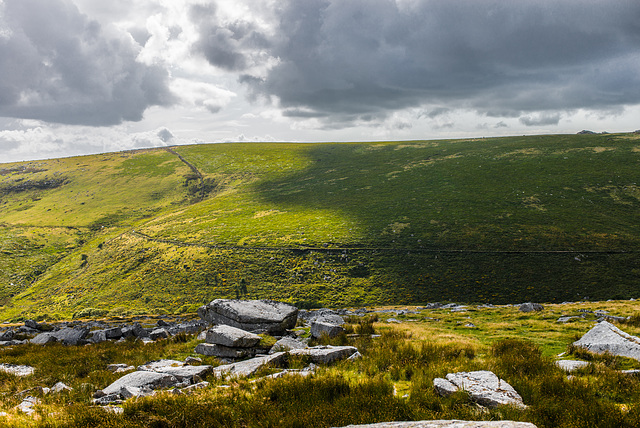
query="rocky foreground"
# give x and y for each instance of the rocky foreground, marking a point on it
(248, 336)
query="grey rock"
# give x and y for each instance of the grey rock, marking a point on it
(102, 335)
(44, 338)
(485, 388)
(447, 424)
(213, 350)
(287, 344)
(571, 365)
(7, 335)
(194, 387)
(120, 368)
(105, 400)
(158, 333)
(187, 372)
(159, 364)
(135, 330)
(605, 337)
(60, 387)
(32, 324)
(72, 336)
(531, 307)
(567, 319)
(141, 379)
(27, 405)
(319, 329)
(231, 337)
(251, 315)
(17, 370)
(444, 387)
(326, 354)
(192, 361)
(249, 367)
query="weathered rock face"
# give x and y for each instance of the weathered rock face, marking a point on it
(326, 354)
(249, 367)
(251, 315)
(220, 351)
(231, 337)
(319, 328)
(287, 344)
(605, 337)
(141, 379)
(448, 424)
(531, 307)
(483, 386)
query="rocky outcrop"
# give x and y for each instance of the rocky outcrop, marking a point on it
(249, 367)
(484, 387)
(447, 424)
(261, 316)
(605, 337)
(224, 341)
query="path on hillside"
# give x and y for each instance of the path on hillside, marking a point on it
(192, 167)
(305, 249)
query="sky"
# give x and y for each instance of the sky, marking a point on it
(90, 76)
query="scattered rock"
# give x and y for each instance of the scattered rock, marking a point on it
(531, 307)
(192, 360)
(158, 333)
(605, 337)
(120, 368)
(484, 387)
(60, 387)
(251, 315)
(571, 365)
(17, 370)
(27, 405)
(43, 339)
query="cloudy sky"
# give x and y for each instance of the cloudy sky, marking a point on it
(89, 76)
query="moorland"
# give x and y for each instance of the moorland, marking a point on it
(498, 220)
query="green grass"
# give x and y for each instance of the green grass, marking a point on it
(326, 224)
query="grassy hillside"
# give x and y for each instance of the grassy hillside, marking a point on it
(547, 218)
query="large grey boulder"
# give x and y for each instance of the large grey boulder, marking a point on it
(326, 354)
(319, 329)
(605, 337)
(483, 386)
(249, 367)
(531, 307)
(143, 380)
(448, 424)
(251, 315)
(43, 339)
(6, 335)
(72, 336)
(231, 337)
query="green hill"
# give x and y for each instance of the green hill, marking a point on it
(545, 218)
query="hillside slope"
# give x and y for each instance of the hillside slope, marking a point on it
(546, 218)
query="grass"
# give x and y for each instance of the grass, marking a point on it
(498, 220)
(392, 381)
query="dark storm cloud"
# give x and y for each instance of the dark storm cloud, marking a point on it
(351, 58)
(59, 66)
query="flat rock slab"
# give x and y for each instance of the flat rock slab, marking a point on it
(186, 372)
(571, 365)
(326, 354)
(483, 386)
(251, 315)
(231, 337)
(605, 337)
(448, 424)
(157, 365)
(142, 380)
(287, 344)
(249, 367)
(213, 350)
(17, 370)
